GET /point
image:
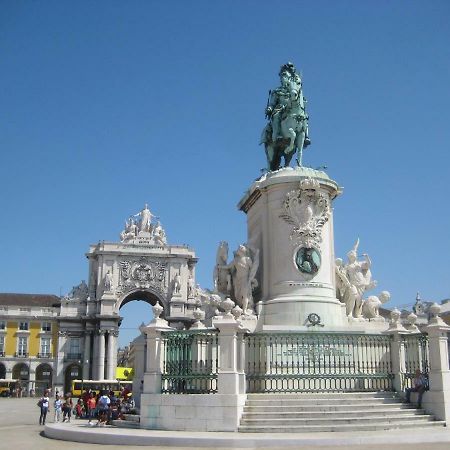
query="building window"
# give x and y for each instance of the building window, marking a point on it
(46, 326)
(45, 347)
(22, 346)
(2, 325)
(24, 326)
(2, 345)
(25, 310)
(74, 349)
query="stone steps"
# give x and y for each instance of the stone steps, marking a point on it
(322, 401)
(326, 395)
(326, 408)
(326, 414)
(341, 427)
(362, 411)
(131, 421)
(335, 420)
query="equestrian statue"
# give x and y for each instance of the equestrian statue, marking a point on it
(287, 129)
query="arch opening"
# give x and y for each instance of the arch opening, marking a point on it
(135, 309)
(73, 372)
(44, 377)
(141, 295)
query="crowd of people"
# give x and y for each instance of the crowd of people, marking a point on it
(103, 407)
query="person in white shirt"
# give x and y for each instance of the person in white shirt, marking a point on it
(58, 408)
(43, 403)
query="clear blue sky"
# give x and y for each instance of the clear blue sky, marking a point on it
(107, 105)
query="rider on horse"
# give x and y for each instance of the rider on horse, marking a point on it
(286, 112)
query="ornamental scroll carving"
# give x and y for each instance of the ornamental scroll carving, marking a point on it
(142, 274)
(307, 210)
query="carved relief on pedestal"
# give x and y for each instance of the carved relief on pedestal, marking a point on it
(142, 274)
(307, 210)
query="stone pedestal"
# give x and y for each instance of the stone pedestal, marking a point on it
(290, 221)
(437, 399)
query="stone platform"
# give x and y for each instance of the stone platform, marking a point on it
(81, 432)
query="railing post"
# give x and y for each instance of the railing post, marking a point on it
(396, 330)
(437, 399)
(155, 352)
(228, 375)
(241, 362)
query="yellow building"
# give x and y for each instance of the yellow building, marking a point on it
(28, 340)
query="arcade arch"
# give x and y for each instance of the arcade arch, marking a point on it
(21, 372)
(2, 371)
(44, 378)
(73, 372)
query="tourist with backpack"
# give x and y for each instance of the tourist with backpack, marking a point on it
(103, 409)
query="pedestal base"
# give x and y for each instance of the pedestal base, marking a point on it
(300, 311)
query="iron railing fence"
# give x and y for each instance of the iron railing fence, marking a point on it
(318, 362)
(416, 353)
(292, 362)
(190, 362)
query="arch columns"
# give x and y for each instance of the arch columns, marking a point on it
(87, 359)
(112, 354)
(100, 360)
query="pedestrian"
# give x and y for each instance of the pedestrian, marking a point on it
(85, 398)
(91, 405)
(419, 386)
(43, 404)
(58, 408)
(67, 407)
(79, 409)
(103, 409)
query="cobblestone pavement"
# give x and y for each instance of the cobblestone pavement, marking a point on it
(19, 430)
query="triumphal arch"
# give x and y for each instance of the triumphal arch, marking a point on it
(142, 265)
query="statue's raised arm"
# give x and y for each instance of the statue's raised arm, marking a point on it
(287, 129)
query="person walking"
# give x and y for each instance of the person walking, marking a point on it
(91, 404)
(57, 404)
(67, 408)
(103, 409)
(43, 403)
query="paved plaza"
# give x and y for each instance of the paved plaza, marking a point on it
(19, 430)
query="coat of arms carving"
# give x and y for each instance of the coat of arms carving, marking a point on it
(307, 210)
(143, 274)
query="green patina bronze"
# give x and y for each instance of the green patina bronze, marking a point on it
(287, 129)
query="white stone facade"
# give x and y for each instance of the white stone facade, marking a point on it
(280, 223)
